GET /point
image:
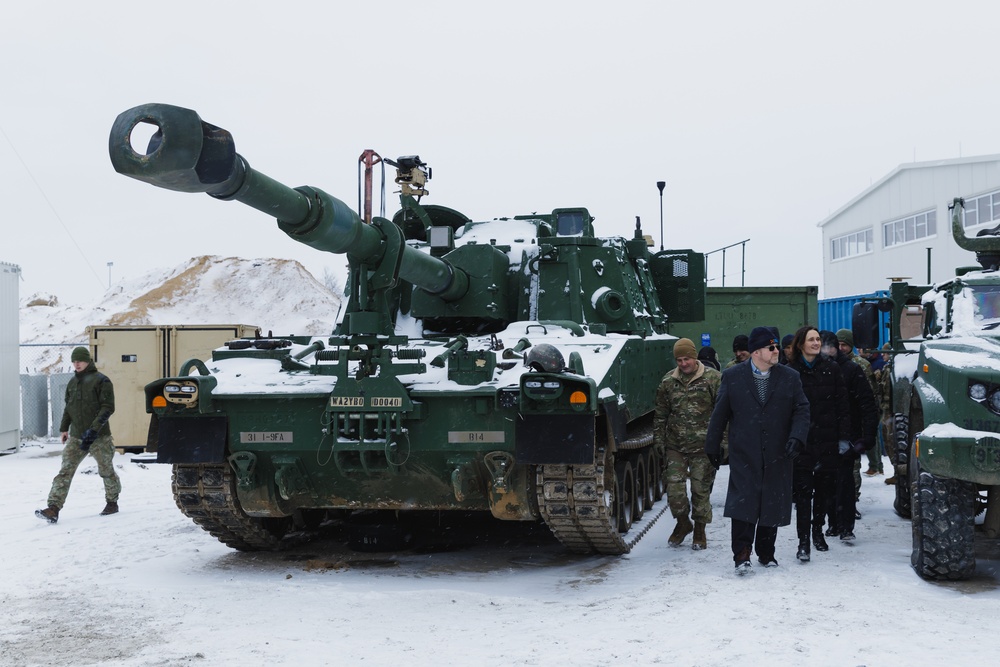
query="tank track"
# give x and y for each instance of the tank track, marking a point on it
(576, 505)
(642, 439)
(206, 494)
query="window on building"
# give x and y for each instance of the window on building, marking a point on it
(982, 209)
(849, 245)
(911, 228)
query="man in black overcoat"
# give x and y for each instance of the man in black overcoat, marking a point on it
(767, 414)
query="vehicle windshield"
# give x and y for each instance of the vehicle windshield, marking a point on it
(985, 306)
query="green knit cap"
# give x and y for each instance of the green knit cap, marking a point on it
(845, 336)
(80, 354)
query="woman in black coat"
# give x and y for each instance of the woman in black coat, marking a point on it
(815, 472)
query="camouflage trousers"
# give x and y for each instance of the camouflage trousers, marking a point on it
(696, 467)
(888, 438)
(103, 451)
(875, 456)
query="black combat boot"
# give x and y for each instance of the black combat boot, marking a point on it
(818, 540)
(803, 553)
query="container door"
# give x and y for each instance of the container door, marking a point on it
(132, 358)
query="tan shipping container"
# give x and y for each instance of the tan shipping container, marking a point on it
(133, 356)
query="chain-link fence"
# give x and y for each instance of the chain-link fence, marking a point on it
(45, 372)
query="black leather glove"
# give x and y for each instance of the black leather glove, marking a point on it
(715, 460)
(88, 439)
(857, 449)
(793, 448)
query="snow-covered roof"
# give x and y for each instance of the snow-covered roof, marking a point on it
(905, 167)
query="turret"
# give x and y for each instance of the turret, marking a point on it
(431, 263)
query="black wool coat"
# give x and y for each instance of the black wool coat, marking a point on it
(864, 407)
(760, 472)
(829, 410)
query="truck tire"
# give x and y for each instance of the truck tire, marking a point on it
(943, 521)
(901, 434)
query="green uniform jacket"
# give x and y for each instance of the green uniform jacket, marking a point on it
(90, 402)
(866, 366)
(683, 407)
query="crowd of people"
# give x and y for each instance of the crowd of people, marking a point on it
(793, 418)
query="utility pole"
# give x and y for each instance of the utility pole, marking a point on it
(110, 264)
(660, 185)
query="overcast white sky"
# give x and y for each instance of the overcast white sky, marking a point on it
(762, 118)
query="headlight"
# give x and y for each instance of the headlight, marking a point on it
(995, 401)
(977, 391)
(550, 385)
(532, 384)
(184, 393)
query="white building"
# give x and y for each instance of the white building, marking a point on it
(10, 387)
(885, 231)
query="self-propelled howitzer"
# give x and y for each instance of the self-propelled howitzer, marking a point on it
(278, 433)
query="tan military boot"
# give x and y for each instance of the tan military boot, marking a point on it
(50, 514)
(698, 542)
(681, 530)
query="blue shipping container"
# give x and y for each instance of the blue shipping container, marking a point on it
(836, 313)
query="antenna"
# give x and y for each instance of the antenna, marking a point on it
(660, 185)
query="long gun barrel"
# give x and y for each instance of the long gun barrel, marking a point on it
(187, 154)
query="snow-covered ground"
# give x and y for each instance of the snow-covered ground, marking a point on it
(148, 587)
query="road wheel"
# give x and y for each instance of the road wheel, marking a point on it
(902, 430)
(943, 512)
(626, 494)
(612, 492)
(641, 480)
(649, 490)
(659, 484)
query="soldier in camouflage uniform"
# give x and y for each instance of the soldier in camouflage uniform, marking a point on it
(684, 403)
(740, 353)
(90, 402)
(883, 395)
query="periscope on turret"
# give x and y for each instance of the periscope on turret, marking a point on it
(426, 395)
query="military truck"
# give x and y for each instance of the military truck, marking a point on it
(506, 367)
(945, 398)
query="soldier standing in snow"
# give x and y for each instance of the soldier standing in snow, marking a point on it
(684, 402)
(90, 402)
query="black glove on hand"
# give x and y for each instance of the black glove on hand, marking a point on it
(793, 448)
(715, 460)
(88, 439)
(858, 448)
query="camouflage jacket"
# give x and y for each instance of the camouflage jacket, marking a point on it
(683, 407)
(883, 393)
(866, 366)
(90, 402)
